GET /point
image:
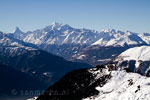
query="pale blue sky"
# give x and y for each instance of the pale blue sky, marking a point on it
(132, 15)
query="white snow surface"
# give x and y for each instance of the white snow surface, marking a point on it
(124, 86)
(137, 53)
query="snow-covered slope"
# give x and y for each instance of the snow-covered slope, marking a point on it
(136, 59)
(137, 53)
(7, 40)
(128, 86)
(124, 86)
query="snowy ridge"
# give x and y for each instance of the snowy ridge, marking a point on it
(137, 53)
(124, 86)
(7, 40)
(118, 38)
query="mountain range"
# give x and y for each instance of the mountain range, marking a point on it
(82, 45)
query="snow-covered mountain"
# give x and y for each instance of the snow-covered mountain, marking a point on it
(118, 38)
(82, 45)
(60, 34)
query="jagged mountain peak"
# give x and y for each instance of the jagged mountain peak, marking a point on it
(17, 30)
(59, 26)
(18, 34)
